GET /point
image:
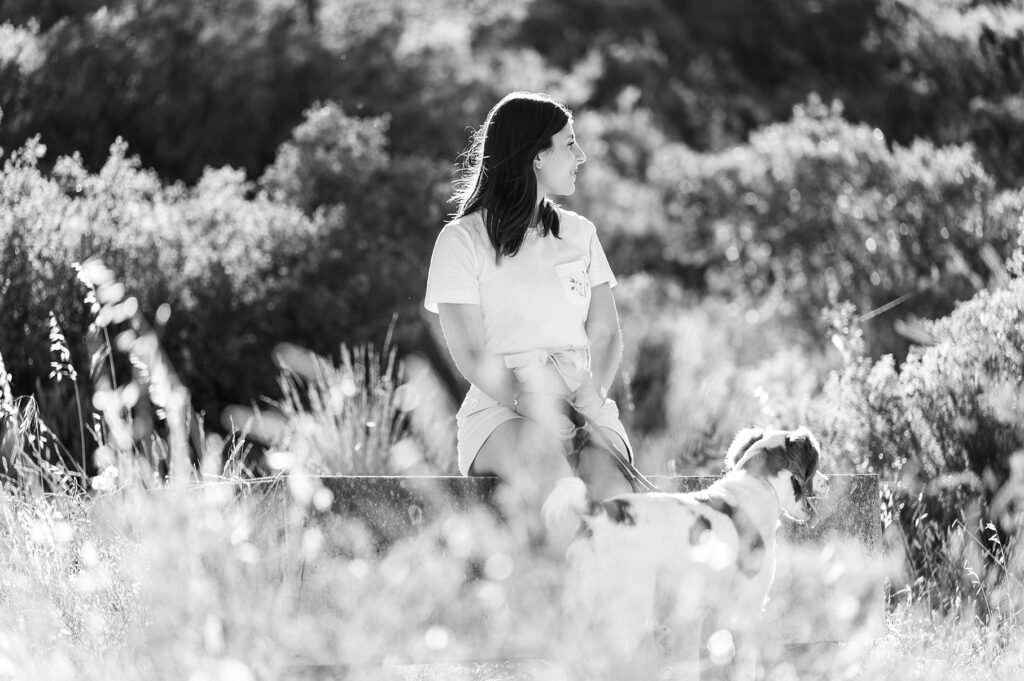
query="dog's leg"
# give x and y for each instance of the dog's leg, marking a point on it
(611, 595)
(682, 645)
(746, 633)
(606, 608)
(746, 661)
(746, 621)
(577, 611)
(680, 616)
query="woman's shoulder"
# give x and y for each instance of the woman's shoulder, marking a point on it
(572, 223)
(468, 228)
(471, 225)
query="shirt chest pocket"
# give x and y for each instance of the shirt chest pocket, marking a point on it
(575, 282)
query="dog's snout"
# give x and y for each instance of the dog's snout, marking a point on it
(812, 514)
(821, 485)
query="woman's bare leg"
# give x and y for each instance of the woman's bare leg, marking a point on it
(601, 474)
(529, 460)
(520, 448)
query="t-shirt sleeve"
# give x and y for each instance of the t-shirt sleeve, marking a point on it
(453, 276)
(600, 272)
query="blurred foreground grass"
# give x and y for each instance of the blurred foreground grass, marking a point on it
(165, 571)
(215, 581)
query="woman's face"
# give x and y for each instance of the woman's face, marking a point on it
(556, 166)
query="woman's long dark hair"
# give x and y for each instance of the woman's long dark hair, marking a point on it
(498, 177)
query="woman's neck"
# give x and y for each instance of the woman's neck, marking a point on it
(535, 219)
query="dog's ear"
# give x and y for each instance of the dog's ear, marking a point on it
(743, 441)
(779, 450)
(802, 453)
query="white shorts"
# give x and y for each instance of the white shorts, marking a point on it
(480, 416)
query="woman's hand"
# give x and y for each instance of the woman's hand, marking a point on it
(549, 410)
(588, 399)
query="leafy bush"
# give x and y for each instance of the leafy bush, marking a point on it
(948, 409)
(944, 434)
(221, 259)
(954, 58)
(240, 269)
(616, 192)
(819, 210)
(379, 215)
(188, 85)
(697, 371)
(810, 212)
(46, 12)
(711, 77)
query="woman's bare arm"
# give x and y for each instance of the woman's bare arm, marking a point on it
(463, 327)
(604, 335)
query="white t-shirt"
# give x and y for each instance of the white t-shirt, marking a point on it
(536, 299)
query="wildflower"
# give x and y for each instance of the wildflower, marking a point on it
(6, 395)
(106, 481)
(60, 356)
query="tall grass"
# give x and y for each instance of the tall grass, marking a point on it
(368, 414)
(164, 573)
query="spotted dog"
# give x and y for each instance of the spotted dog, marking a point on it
(649, 572)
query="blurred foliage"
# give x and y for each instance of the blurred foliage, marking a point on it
(189, 84)
(765, 238)
(46, 13)
(953, 407)
(713, 75)
(821, 210)
(809, 212)
(242, 269)
(219, 257)
(945, 433)
(697, 370)
(371, 264)
(751, 164)
(354, 109)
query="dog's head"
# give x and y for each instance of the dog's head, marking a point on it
(788, 461)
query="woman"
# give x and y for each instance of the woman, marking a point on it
(523, 291)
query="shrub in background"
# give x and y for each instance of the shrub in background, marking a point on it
(189, 85)
(617, 191)
(818, 209)
(221, 259)
(369, 271)
(944, 434)
(940, 412)
(810, 212)
(699, 370)
(944, 71)
(148, 71)
(320, 252)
